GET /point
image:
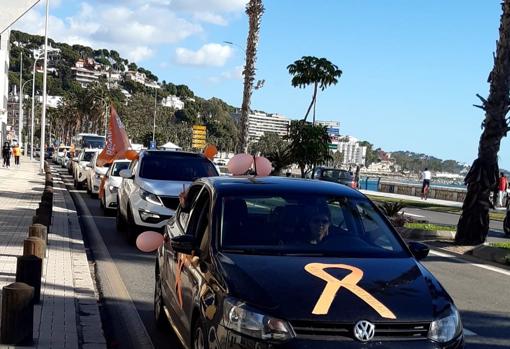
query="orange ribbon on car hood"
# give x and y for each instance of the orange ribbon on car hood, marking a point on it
(349, 282)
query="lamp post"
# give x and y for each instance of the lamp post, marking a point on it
(21, 111)
(36, 58)
(155, 108)
(20, 115)
(45, 97)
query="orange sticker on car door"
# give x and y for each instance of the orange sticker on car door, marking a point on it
(349, 282)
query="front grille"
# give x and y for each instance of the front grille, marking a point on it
(170, 202)
(383, 331)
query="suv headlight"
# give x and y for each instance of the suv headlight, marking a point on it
(447, 328)
(152, 198)
(113, 189)
(239, 317)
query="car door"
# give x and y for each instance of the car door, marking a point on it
(172, 268)
(127, 187)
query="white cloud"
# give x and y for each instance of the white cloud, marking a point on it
(139, 53)
(234, 74)
(207, 55)
(209, 17)
(209, 5)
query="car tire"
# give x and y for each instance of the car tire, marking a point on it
(132, 229)
(159, 309)
(120, 223)
(199, 339)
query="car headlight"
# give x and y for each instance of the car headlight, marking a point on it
(447, 328)
(152, 198)
(112, 189)
(239, 317)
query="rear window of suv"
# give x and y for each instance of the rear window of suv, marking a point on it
(175, 167)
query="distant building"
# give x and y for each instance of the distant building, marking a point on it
(4, 81)
(260, 123)
(140, 78)
(172, 102)
(13, 109)
(51, 101)
(353, 153)
(84, 76)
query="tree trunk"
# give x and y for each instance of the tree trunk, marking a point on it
(312, 103)
(482, 178)
(254, 10)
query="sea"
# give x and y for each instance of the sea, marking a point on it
(371, 183)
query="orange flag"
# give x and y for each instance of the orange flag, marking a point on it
(117, 140)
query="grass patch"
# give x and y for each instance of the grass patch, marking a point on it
(505, 245)
(428, 226)
(493, 215)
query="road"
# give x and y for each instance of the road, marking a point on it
(481, 294)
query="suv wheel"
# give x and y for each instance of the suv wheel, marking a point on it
(199, 336)
(131, 229)
(120, 223)
(159, 312)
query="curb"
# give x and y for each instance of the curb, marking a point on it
(421, 234)
(493, 254)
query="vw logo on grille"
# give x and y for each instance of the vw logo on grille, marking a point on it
(364, 330)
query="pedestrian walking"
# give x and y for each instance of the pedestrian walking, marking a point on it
(16, 151)
(502, 186)
(426, 176)
(6, 155)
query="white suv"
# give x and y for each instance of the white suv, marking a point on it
(94, 175)
(149, 193)
(80, 167)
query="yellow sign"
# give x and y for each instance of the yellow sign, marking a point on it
(199, 133)
(199, 127)
(349, 282)
(199, 136)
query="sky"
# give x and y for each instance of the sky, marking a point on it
(411, 69)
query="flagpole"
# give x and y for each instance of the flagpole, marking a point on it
(45, 97)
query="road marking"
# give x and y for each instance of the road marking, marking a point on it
(469, 332)
(482, 266)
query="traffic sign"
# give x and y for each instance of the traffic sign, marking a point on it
(199, 127)
(199, 136)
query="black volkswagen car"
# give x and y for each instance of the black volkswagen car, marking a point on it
(274, 262)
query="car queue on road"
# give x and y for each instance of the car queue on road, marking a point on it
(271, 262)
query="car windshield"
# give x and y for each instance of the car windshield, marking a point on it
(88, 155)
(336, 174)
(305, 224)
(119, 166)
(175, 167)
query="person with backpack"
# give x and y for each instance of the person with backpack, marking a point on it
(16, 151)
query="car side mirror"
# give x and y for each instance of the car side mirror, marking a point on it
(126, 174)
(419, 250)
(89, 165)
(183, 244)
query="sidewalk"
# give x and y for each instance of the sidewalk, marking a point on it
(413, 198)
(68, 314)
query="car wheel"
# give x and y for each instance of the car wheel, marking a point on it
(120, 223)
(131, 229)
(88, 188)
(159, 312)
(199, 336)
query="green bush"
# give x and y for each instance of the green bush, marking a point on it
(429, 226)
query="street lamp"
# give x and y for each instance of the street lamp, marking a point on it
(36, 58)
(155, 108)
(21, 111)
(45, 97)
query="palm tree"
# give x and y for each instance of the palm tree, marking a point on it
(254, 10)
(317, 71)
(482, 178)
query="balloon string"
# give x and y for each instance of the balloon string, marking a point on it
(255, 165)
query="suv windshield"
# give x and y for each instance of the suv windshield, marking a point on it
(93, 142)
(119, 166)
(171, 166)
(88, 155)
(307, 224)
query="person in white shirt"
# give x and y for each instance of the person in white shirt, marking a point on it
(426, 176)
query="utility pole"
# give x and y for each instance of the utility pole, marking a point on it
(154, 119)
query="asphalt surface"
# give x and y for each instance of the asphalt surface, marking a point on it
(481, 294)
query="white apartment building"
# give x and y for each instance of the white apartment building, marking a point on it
(135, 76)
(353, 153)
(4, 81)
(172, 102)
(260, 123)
(85, 76)
(51, 101)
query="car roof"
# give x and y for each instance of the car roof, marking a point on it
(332, 168)
(176, 153)
(272, 184)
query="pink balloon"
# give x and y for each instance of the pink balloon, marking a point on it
(239, 164)
(149, 241)
(263, 165)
